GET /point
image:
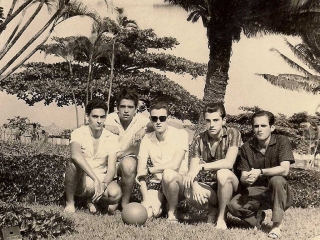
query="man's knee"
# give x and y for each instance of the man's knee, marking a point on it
(169, 175)
(277, 181)
(114, 192)
(224, 176)
(128, 166)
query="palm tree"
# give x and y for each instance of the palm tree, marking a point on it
(310, 57)
(67, 49)
(100, 46)
(123, 24)
(64, 9)
(226, 20)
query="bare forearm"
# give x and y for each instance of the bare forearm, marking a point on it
(82, 163)
(220, 164)
(275, 171)
(143, 189)
(109, 176)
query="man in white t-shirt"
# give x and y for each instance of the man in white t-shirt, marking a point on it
(167, 147)
(131, 128)
(92, 167)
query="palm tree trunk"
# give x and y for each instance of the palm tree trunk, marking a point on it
(89, 79)
(12, 7)
(8, 46)
(73, 95)
(13, 32)
(88, 84)
(30, 42)
(111, 75)
(9, 18)
(220, 45)
(30, 54)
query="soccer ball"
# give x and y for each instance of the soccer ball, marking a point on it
(134, 213)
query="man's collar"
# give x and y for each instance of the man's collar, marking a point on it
(154, 135)
(117, 119)
(254, 142)
(206, 136)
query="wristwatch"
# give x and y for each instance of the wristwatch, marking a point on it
(261, 172)
(202, 168)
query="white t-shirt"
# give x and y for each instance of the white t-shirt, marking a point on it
(108, 144)
(138, 122)
(163, 152)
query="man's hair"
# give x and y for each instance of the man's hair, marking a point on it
(262, 113)
(96, 103)
(215, 107)
(159, 105)
(129, 94)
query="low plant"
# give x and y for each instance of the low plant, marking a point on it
(34, 225)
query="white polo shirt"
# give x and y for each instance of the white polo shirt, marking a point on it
(138, 122)
(108, 144)
(163, 152)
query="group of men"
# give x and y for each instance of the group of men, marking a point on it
(120, 144)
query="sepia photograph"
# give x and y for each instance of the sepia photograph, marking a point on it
(160, 119)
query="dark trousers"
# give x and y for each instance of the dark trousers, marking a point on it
(277, 197)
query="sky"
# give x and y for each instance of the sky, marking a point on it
(249, 56)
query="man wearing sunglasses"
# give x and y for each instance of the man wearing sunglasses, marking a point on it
(213, 153)
(131, 128)
(167, 147)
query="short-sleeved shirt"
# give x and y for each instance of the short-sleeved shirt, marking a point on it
(108, 144)
(201, 148)
(126, 135)
(278, 150)
(163, 152)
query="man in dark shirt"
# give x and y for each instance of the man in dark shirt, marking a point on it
(265, 161)
(214, 151)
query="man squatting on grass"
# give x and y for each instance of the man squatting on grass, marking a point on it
(131, 128)
(214, 150)
(92, 167)
(167, 147)
(265, 161)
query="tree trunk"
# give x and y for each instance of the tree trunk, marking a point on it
(8, 46)
(73, 95)
(220, 46)
(12, 16)
(30, 42)
(14, 31)
(30, 54)
(111, 75)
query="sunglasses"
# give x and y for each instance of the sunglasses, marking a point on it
(161, 118)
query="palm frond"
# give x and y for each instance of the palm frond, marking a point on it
(293, 82)
(291, 63)
(75, 8)
(305, 54)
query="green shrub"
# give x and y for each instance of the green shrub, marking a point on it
(39, 178)
(27, 178)
(305, 187)
(34, 225)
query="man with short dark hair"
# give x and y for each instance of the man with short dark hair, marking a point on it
(90, 171)
(167, 148)
(264, 164)
(214, 151)
(131, 128)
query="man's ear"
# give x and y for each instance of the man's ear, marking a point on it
(224, 121)
(272, 128)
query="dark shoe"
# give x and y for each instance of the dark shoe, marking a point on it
(261, 215)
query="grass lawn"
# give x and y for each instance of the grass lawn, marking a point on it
(299, 224)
